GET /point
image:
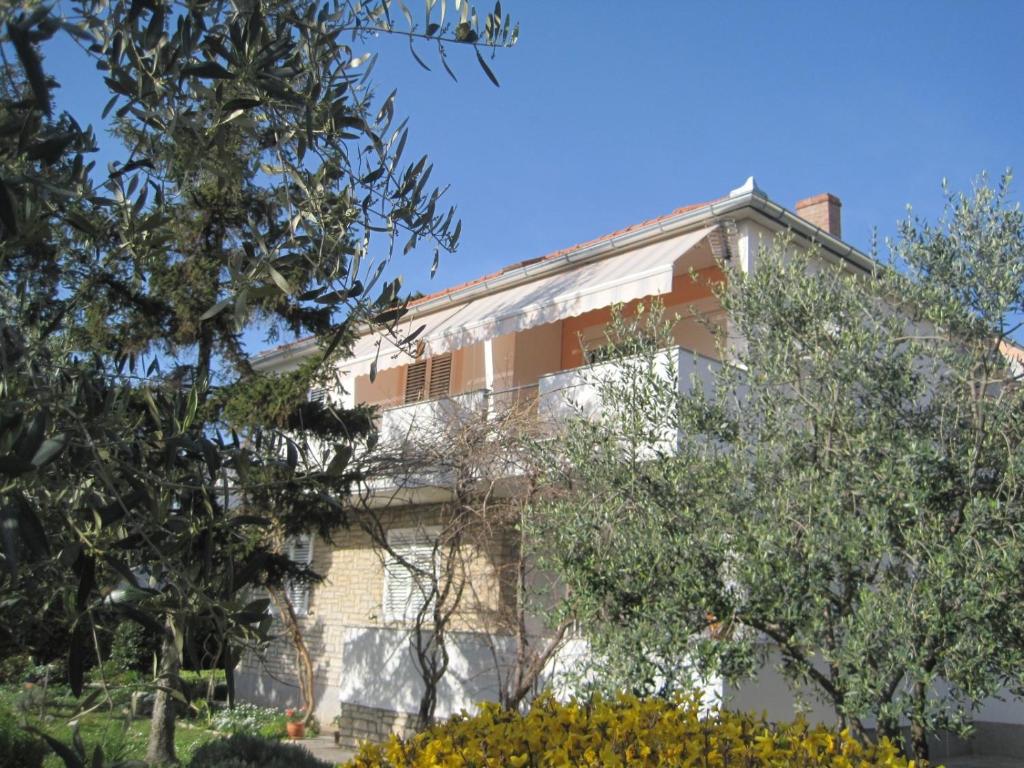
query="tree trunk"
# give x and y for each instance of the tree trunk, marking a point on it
(294, 631)
(160, 750)
(919, 741)
(432, 657)
(888, 729)
(918, 733)
(529, 664)
(428, 704)
(853, 725)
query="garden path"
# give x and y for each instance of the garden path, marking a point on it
(323, 747)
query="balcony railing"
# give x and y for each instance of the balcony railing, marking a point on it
(578, 391)
(423, 439)
(434, 419)
(429, 419)
(517, 402)
(554, 398)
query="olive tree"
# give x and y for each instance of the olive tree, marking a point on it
(846, 496)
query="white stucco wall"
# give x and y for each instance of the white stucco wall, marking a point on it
(380, 670)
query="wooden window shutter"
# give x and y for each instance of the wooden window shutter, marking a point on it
(300, 551)
(440, 376)
(416, 381)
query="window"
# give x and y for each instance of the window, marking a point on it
(415, 381)
(440, 376)
(300, 551)
(428, 379)
(409, 581)
(318, 395)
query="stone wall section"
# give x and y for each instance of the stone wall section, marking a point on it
(359, 724)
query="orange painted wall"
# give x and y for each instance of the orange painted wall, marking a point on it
(685, 289)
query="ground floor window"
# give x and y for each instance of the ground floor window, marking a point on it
(410, 572)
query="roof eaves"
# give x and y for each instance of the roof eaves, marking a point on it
(523, 271)
(689, 216)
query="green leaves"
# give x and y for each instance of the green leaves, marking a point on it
(487, 69)
(217, 308)
(20, 530)
(8, 211)
(208, 69)
(49, 450)
(51, 149)
(264, 184)
(850, 489)
(142, 618)
(23, 32)
(279, 280)
(69, 757)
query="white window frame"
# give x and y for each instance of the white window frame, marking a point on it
(300, 551)
(418, 547)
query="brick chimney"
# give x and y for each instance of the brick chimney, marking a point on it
(823, 212)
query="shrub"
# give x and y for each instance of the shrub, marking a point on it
(132, 647)
(275, 730)
(112, 673)
(625, 732)
(247, 719)
(30, 699)
(117, 740)
(15, 669)
(18, 748)
(204, 684)
(198, 677)
(128, 647)
(55, 671)
(244, 751)
(313, 727)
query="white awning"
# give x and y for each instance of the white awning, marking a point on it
(640, 272)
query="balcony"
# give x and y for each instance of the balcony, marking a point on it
(431, 426)
(424, 446)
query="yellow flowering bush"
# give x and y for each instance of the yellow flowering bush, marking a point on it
(625, 731)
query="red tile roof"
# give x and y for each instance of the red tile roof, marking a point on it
(526, 262)
(562, 252)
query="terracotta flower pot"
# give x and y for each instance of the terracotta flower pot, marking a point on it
(296, 730)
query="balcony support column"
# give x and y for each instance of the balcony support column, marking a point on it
(488, 365)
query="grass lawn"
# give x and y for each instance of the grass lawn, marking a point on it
(121, 737)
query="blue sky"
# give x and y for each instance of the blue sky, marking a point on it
(607, 116)
(609, 113)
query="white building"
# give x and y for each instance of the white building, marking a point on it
(519, 336)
